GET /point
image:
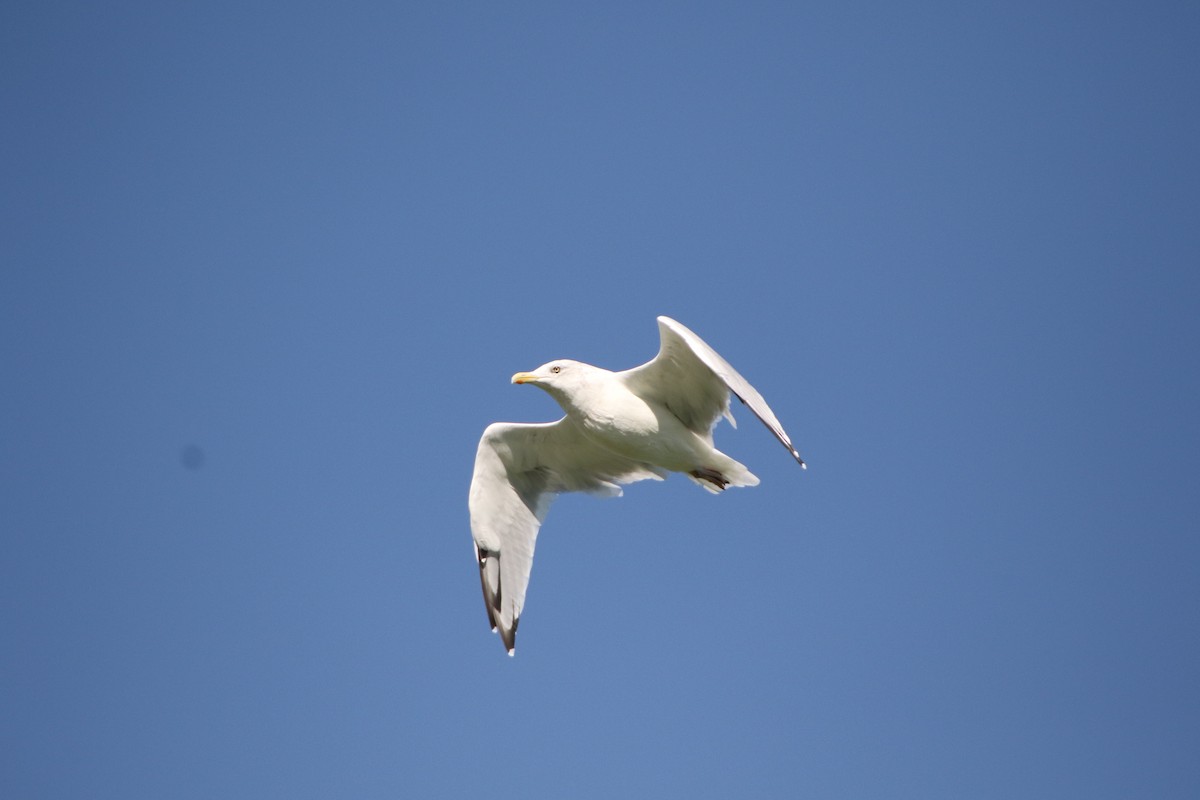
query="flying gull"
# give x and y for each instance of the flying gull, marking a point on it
(620, 427)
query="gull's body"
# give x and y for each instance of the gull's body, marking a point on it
(619, 427)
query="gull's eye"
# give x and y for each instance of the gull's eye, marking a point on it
(556, 369)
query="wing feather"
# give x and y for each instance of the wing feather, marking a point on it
(694, 382)
(519, 469)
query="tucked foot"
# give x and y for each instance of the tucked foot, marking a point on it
(710, 476)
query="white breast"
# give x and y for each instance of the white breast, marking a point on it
(621, 421)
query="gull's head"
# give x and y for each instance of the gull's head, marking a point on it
(559, 378)
(554, 373)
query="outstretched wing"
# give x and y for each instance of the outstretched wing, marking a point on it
(693, 381)
(518, 471)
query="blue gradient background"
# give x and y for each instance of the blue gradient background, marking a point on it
(267, 269)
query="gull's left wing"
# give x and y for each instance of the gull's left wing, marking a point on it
(694, 381)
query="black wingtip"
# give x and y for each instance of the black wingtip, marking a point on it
(491, 603)
(509, 637)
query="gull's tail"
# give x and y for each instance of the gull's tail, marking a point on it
(725, 473)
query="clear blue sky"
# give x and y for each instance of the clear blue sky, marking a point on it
(956, 246)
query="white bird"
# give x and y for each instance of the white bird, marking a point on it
(620, 427)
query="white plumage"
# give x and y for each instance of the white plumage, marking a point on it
(619, 427)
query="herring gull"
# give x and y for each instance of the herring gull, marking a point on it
(619, 427)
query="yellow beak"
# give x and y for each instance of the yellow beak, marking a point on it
(524, 377)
